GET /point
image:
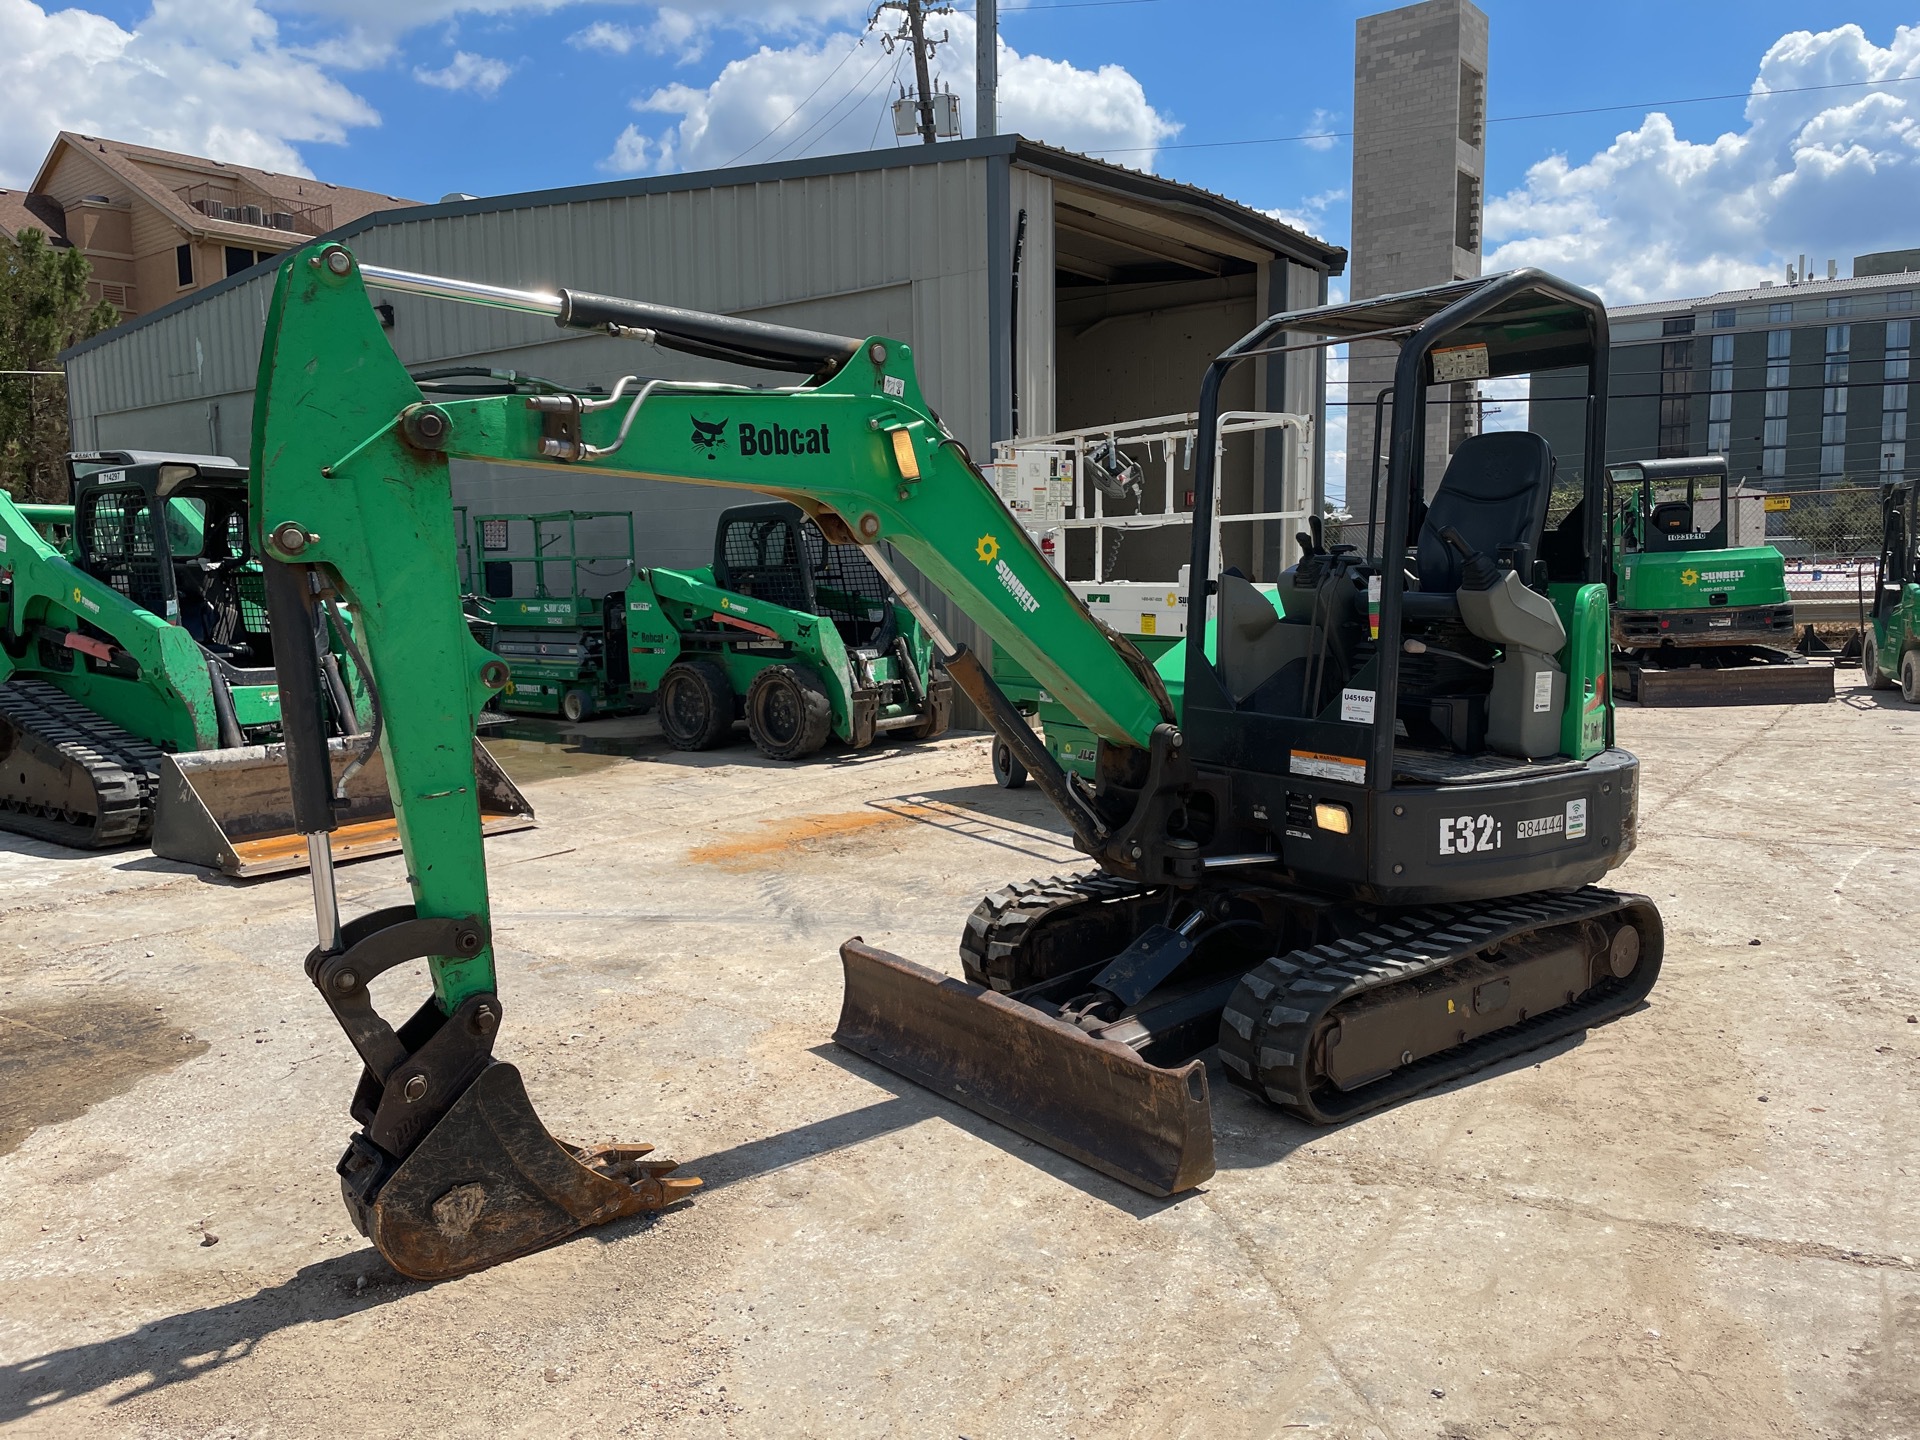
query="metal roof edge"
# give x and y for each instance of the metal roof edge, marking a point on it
(1079, 169)
(1179, 195)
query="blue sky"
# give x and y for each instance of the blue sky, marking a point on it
(1815, 148)
(535, 105)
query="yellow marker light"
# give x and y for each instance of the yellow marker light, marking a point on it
(1336, 818)
(903, 455)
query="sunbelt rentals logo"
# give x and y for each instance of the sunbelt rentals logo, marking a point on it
(988, 549)
(1690, 576)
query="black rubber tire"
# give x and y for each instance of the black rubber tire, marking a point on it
(1910, 677)
(788, 713)
(1870, 662)
(696, 705)
(1008, 772)
(576, 705)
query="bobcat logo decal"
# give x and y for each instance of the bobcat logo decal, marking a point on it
(709, 435)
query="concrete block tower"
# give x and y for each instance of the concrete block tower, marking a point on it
(1419, 167)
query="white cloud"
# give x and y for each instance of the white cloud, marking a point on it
(466, 71)
(672, 32)
(831, 96)
(1319, 128)
(209, 77)
(1311, 214)
(629, 155)
(1828, 173)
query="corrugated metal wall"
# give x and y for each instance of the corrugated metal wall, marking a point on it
(898, 252)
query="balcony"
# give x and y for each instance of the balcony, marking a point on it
(241, 204)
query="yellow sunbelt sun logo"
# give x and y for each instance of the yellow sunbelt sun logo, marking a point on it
(1689, 576)
(988, 549)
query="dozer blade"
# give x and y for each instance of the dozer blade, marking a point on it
(232, 810)
(1094, 1100)
(488, 1184)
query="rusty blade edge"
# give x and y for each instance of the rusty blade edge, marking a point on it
(1092, 1100)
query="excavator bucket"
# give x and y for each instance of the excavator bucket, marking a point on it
(232, 810)
(488, 1184)
(1089, 1098)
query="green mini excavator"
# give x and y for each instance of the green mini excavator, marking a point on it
(1361, 864)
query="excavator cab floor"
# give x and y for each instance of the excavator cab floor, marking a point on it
(488, 1184)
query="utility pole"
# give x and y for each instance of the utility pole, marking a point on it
(986, 68)
(916, 22)
(915, 33)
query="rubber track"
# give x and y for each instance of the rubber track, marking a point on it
(1268, 1027)
(1004, 923)
(124, 769)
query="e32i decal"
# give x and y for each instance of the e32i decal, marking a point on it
(1468, 834)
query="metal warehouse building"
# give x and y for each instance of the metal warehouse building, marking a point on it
(1040, 290)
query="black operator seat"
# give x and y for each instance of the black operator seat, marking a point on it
(1495, 494)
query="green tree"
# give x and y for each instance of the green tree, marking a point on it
(44, 308)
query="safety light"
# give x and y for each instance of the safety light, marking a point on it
(1336, 818)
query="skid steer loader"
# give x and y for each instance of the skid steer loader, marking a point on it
(1362, 864)
(138, 700)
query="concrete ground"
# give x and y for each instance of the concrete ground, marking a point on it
(1700, 1221)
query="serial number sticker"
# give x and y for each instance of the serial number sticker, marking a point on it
(1356, 706)
(1542, 691)
(1327, 767)
(1576, 819)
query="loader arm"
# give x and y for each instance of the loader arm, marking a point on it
(352, 503)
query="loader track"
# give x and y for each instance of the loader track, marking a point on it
(1005, 945)
(1276, 1025)
(45, 736)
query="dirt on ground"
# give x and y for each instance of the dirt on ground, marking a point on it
(1701, 1221)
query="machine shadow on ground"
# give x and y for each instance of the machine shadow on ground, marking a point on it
(193, 1343)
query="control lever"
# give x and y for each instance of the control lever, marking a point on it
(1477, 572)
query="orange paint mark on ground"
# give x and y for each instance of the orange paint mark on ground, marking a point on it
(803, 831)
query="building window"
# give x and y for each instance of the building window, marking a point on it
(1473, 105)
(1780, 313)
(238, 259)
(183, 264)
(1720, 400)
(1833, 404)
(1677, 325)
(1676, 393)
(1773, 431)
(1898, 300)
(1839, 305)
(1466, 211)
(1893, 400)
(1723, 319)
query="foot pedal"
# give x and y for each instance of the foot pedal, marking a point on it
(488, 1184)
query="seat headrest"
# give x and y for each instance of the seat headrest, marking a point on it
(1496, 467)
(1675, 517)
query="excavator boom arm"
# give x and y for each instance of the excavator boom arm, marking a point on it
(351, 488)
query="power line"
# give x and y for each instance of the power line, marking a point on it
(831, 112)
(1511, 119)
(796, 109)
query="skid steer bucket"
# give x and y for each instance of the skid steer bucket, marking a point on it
(232, 810)
(1092, 1099)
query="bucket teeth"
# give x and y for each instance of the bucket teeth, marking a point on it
(488, 1183)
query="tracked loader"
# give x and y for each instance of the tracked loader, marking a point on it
(1890, 639)
(1362, 864)
(138, 701)
(1698, 617)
